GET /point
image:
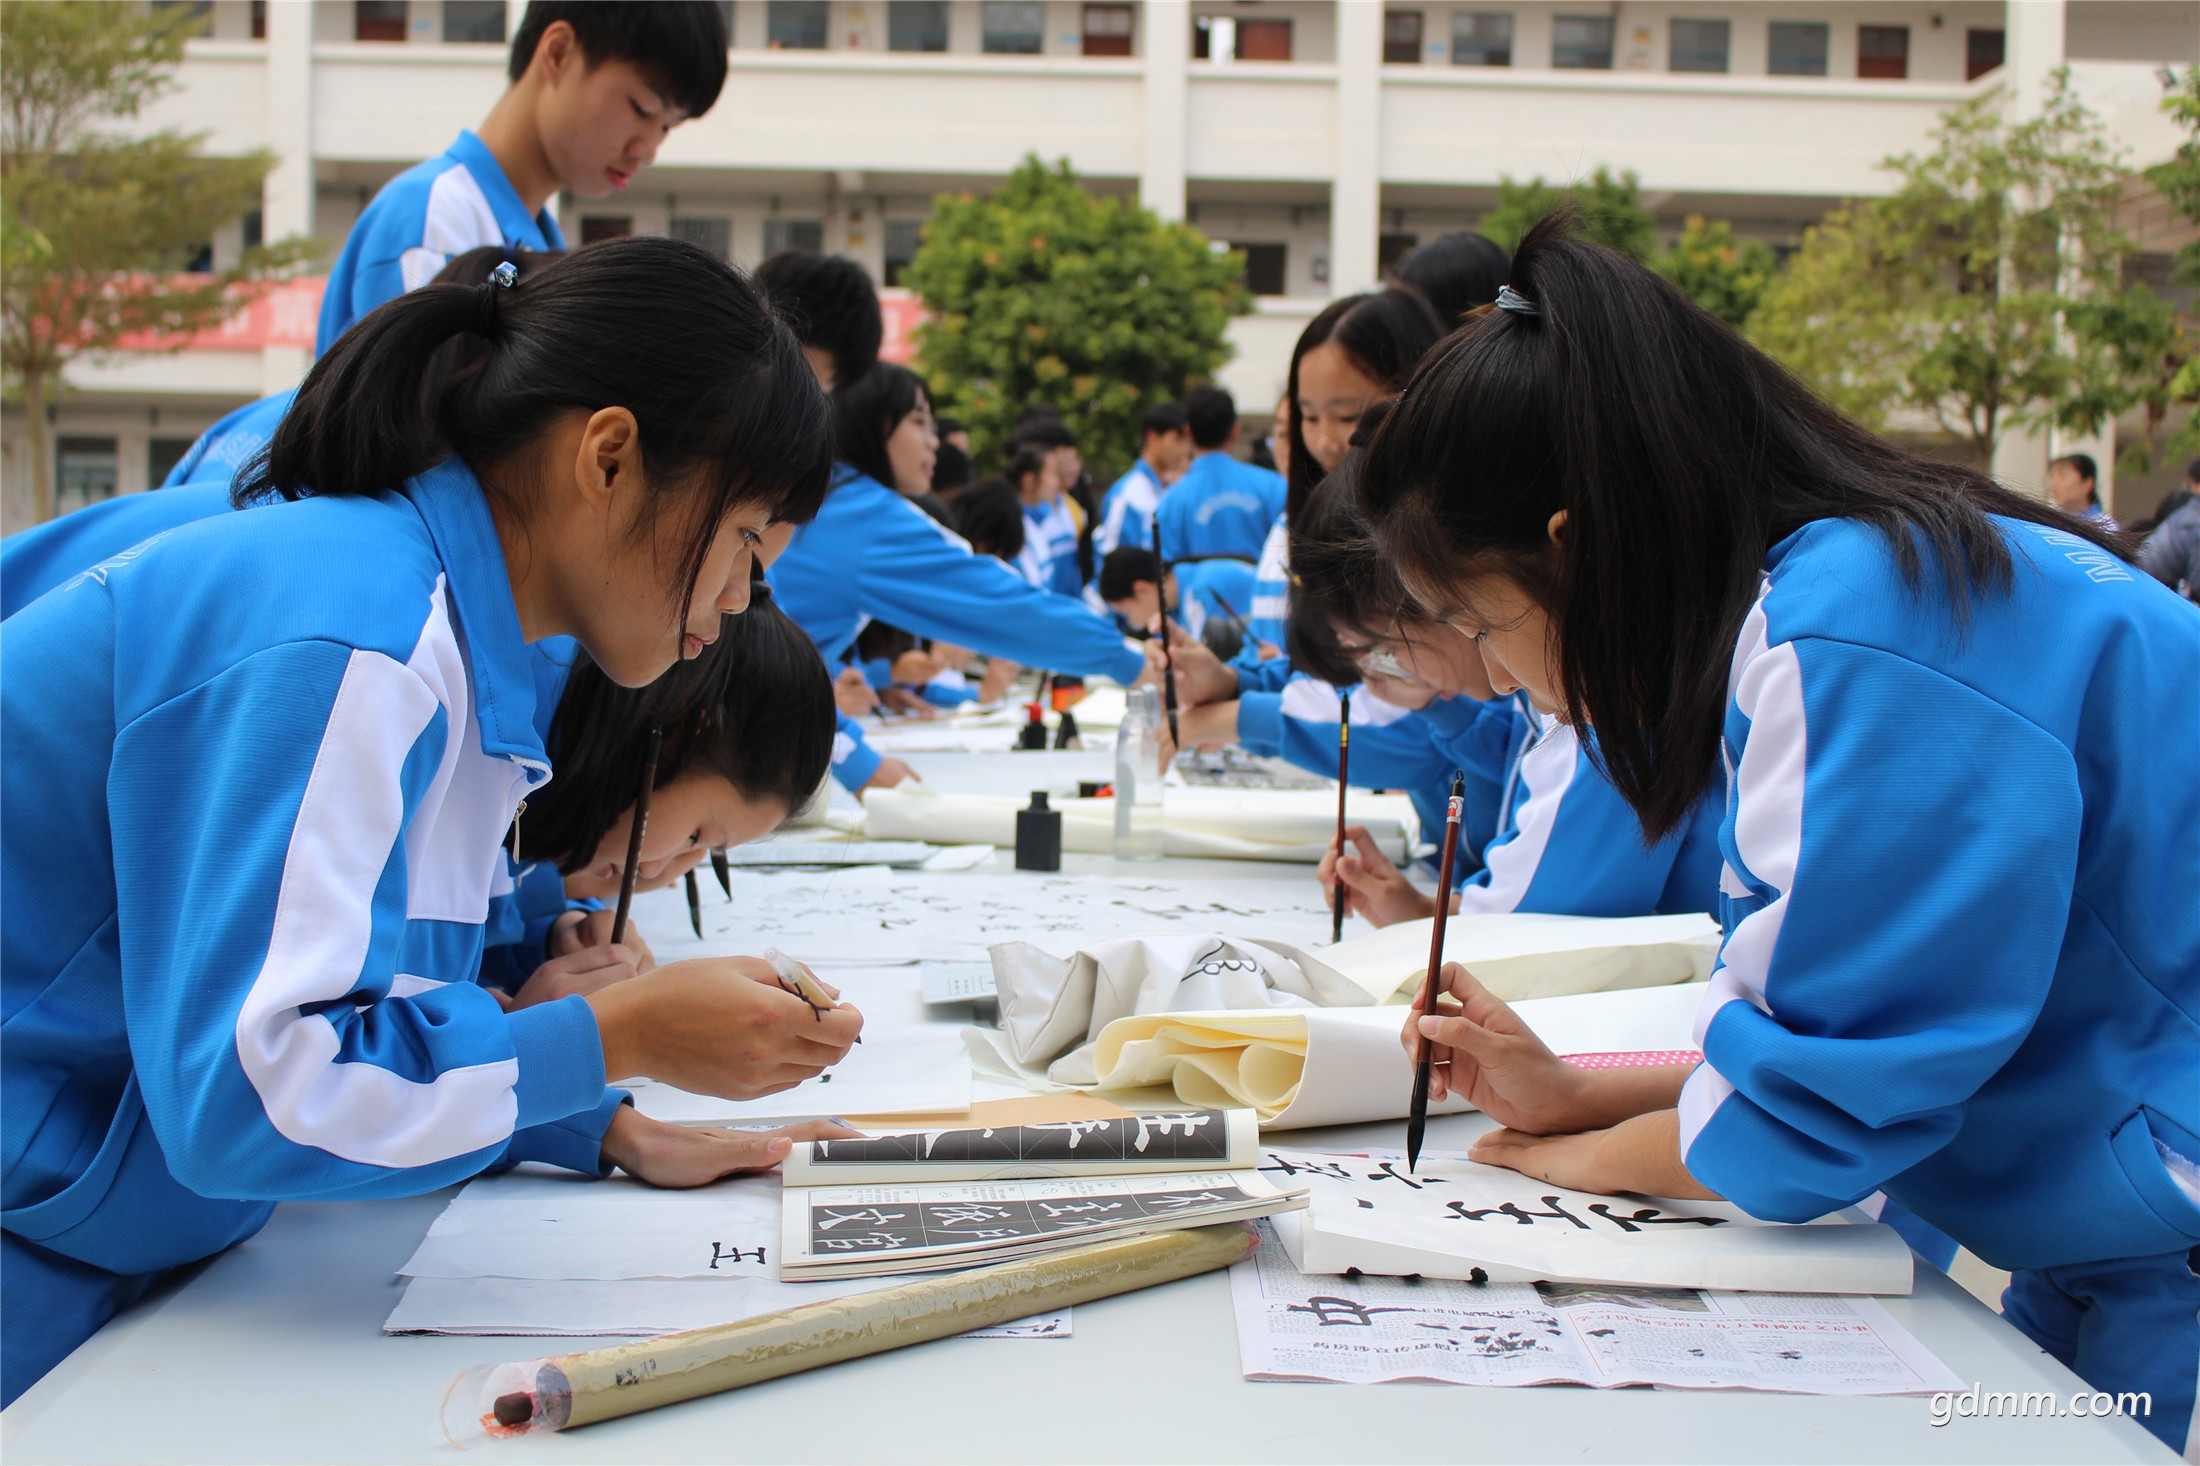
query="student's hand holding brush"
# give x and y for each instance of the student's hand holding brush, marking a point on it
(578, 931)
(719, 1025)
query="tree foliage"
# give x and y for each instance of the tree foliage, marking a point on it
(2162, 347)
(96, 227)
(1046, 293)
(1986, 291)
(1725, 274)
(1605, 206)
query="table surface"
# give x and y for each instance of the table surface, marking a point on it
(274, 1352)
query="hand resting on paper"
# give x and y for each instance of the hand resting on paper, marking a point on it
(720, 1026)
(1373, 887)
(681, 1156)
(1602, 1130)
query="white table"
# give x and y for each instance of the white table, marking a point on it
(274, 1352)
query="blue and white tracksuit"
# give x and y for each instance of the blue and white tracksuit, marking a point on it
(1127, 510)
(1222, 506)
(1271, 588)
(456, 201)
(1050, 533)
(230, 444)
(1570, 846)
(872, 553)
(1963, 952)
(257, 774)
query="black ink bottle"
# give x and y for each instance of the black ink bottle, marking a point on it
(1034, 733)
(1038, 835)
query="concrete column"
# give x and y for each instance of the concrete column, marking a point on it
(1167, 44)
(2034, 50)
(287, 195)
(1355, 195)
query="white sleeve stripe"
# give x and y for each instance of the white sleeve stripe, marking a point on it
(1768, 809)
(347, 824)
(1547, 769)
(1701, 1097)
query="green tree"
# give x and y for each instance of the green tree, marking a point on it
(2160, 345)
(1047, 293)
(1723, 273)
(1982, 292)
(95, 227)
(1606, 207)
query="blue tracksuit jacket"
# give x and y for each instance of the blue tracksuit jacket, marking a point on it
(257, 776)
(872, 553)
(456, 201)
(1222, 506)
(1127, 510)
(1211, 590)
(1962, 964)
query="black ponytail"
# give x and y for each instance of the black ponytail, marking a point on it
(755, 708)
(728, 410)
(1680, 454)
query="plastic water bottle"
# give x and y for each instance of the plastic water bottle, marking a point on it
(1138, 778)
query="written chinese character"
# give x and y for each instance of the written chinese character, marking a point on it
(1650, 1216)
(1329, 1311)
(1512, 1209)
(720, 1252)
(1289, 1167)
(869, 1216)
(1389, 1172)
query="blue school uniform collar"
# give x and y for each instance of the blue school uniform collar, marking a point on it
(450, 501)
(520, 228)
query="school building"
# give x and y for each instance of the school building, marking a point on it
(1322, 137)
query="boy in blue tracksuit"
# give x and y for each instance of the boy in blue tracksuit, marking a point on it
(594, 88)
(871, 553)
(1127, 510)
(1222, 506)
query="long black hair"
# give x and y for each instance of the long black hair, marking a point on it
(728, 410)
(1679, 454)
(1341, 582)
(865, 413)
(756, 709)
(1386, 333)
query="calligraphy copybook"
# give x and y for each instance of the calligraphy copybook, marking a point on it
(1454, 1218)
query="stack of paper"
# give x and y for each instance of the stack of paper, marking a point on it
(1370, 1330)
(1230, 824)
(1453, 1218)
(537, 1251)
(962, 1198)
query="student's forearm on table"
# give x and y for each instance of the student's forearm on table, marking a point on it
(1609, 1097)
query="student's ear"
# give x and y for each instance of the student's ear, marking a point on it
(557, 51)
(1557, 529)
(609, 457)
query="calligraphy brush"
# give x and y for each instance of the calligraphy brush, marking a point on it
(1231, 612)
(634, 836)
(695, 905)
(1168, 658)
(1344, 767)
(1417, 1119)
(723, 871)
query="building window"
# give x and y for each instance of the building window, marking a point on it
(1983, 51)
(1699, 45)
(85, 472)
(1883, 51)
(201, 260)
(596, 228)
(903, 238)
(1798, 48)
(1264, 40)
(259, 20)
(1581, 42)
(252, 229)
(796, 25)
(802, 234)
(161, 457)
(378, 20)
(715, 235)
(916, 25)
(474, 22)
(1015, 27)
(1481, 38)
(1107, 30)
(1401, 37)
(1264, 266)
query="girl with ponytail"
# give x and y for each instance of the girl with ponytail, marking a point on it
(1931, 707)
(260, 772)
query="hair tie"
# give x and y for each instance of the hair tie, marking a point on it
(1509, 299)
(485, 298)
(505, 276)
